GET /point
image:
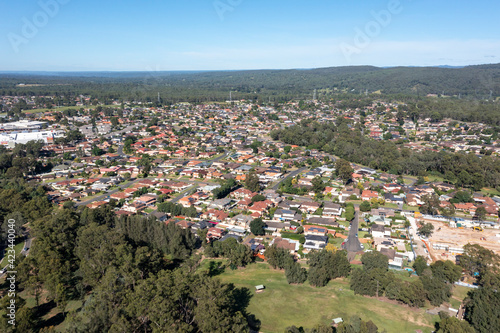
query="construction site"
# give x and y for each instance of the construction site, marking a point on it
(446, 242)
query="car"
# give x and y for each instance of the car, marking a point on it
(3, 270)
(356, 235)
(362, 246)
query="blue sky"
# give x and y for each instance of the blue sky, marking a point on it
(149, 35)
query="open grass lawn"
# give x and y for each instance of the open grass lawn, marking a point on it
(489, 191)
(459, 293)
(412, 208)
(282, 305)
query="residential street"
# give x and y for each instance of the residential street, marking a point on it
(352, 243)
(291, 174)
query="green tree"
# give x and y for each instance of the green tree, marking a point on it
(257, 227)
(447, 271)
(478, 260)
(365, 206)
(277, 257)
(252, 182)
(426, 229)
(343, 170)
(375, 259)
(480, 213)
(419, 265)
(295, 273)
(258, 197)
(317, 185)
(453, 325)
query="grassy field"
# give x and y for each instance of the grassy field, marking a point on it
(282, 305)
(490, 191)
(459, 294)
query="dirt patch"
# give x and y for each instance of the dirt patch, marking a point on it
(455, 237)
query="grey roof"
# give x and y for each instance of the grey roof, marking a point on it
(316, 238)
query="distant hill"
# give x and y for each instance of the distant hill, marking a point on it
(471, 81)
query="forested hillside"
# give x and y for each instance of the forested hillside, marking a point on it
(472, 82)
(459, 168)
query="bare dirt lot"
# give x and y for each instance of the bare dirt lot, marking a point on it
(455, 237)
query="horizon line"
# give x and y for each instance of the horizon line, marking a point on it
(235, 70)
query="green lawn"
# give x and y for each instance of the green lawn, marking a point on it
(282, 305)
(458, 295)
(412, 208)
(336, 241)
(489, 191)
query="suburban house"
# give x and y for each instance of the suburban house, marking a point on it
(330, 222)
(284, 243)
(332, 209)
(310, 206)
(215, 234)
(286, 215)
(315, 242)
(378, 230)
(315, 230)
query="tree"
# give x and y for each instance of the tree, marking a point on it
(375, 259)
(448, 211)
(461, 196)
(258, 197)
(453, 325)
(447, 271)
(365, 206)
(277, 257)
(252, 182)
(343, 170)
(419, 265)
(426, 229)
(257, 227)
(317, 185)
(430, 204)
(478, 260)
(349, 212)
(437, 290)
(325, 266)
(295, 273)
(482, 306)
(480, 213)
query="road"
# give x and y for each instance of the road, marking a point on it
(183, 193)
(27, 245)
(291, 174)
(352, 243)
(418, 245)
(127, 129)
(107, 194)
